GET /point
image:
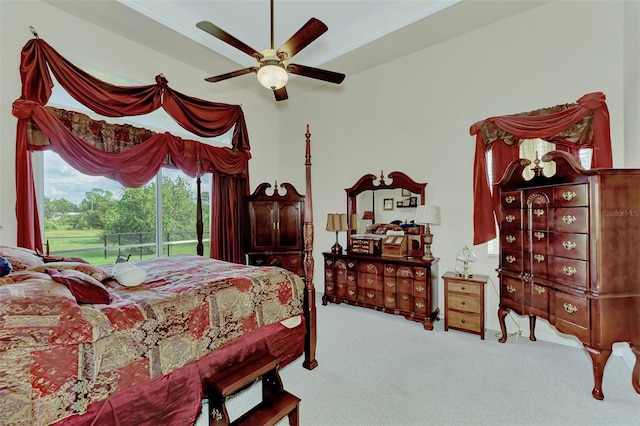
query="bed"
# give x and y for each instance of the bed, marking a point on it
(143, 356)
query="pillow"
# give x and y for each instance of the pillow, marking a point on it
(20, 258)
(95, 272)
(128, 274)
(83, 287)
(46, 258)
(5, 267)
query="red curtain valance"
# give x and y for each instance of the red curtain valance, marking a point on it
(584, 124)
(133, 167)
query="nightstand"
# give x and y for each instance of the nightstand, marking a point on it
(464, 303)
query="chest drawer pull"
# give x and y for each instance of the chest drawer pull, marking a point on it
(329, 275)
(391, 284)
(405, 298)
(370, 280)
(370, 295)
(370, 267)
(510, 218)
(511, 289)
(391, 299)
(539, 235)
(538, 212)
(569, 270)
(568, 195)
(539, 289)
(351, 264)
(329, 262)
(510, 238)
(293, 261)
(538, 257)
(510, 259)
(419, 289)
(389, 269)
(569, 245)
(568, 219)
(509, 199)
(420, 273)
(329, 287)
(419, 305)
(351, 278)
(259, 261)
(351, 292)
(570, 308)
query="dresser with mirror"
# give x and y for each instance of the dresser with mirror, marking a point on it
(383, 266)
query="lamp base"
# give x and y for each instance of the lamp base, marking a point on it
(336, 249)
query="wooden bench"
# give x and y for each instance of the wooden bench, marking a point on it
(276, 402)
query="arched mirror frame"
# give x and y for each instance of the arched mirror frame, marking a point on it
(368, 182)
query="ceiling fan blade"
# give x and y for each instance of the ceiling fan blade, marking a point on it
(317, 73)
(231, 74)
(281, 93)
(221, 34)
(310, 31)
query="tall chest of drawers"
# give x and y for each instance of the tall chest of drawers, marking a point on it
(395, 285)
(568, 254)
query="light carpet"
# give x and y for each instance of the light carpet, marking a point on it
(380, 369)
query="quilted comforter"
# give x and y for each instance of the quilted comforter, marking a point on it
(57, 356)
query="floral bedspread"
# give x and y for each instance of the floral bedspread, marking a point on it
(58, 356)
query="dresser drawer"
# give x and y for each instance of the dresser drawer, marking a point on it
(572, 220)
(511, 200)
(571, 196)
(574, 246)
(420, 305)
(512, 239)
(463, 302)
(512, 294)
(572, 315)
(371, 268)
(470, 322)
(512, 260)
(539, 301)
(370, 281)
(389, 300)
(572, 272)
(404, 302)
(419, 289)
(510, 219)
(370, 297)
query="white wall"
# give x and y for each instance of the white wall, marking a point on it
(417, 123)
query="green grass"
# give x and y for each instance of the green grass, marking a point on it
(74, 243)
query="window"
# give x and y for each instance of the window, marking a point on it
(532, 149)
(96, 218)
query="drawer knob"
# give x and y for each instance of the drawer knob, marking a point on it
(509, 199)
(569, 195)
(539, 235)
(463, 321)
(370, 280)
(390, 284)
(259, 261)
(510, 238)
(389, 268)
(539, 289)
(538, 212)
(569, 245)
(370, 267)
(419, 305)
(510, 218)
(329, 262)
(351, 264)
(293, 261)
(463, 303)
(351, 292)
(511, 289)
(420, 273)
(510, 259)
(569, 219)
(329, 274)
(405, 297)
(370, 295)
(351, 278)
(569, 270)
(390, 299)
(538, 257)
(329, 287)
(419, 289)
(570, 308)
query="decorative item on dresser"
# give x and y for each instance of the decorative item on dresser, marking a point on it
(401, 283)
(276, 227)
(337, 222)
(428, 215)
(568, 246)
(464, 302)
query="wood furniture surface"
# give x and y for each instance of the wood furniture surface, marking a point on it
(395, 285)
(276, 402)
(464, 303)
(276, 228)
(568, 254)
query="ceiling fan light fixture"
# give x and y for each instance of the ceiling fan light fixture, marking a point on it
(273, 76)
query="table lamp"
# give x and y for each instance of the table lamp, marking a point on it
(428, 215)
(337, 222)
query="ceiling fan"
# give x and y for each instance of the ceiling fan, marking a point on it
(273, 67)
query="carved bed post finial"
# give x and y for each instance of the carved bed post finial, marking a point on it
(310, 361)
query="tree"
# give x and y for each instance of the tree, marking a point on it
(96, 207)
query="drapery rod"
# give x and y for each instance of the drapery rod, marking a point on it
(33, 31)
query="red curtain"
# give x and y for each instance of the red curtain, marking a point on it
(136, 166)
(529, 126)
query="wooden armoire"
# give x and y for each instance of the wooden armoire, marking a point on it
(276, 228)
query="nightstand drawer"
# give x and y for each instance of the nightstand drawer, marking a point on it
(461, 302)
(464, 287)
(465, 321)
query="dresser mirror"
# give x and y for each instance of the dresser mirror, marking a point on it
(374, 202)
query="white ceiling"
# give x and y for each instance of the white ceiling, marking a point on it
(362, 33)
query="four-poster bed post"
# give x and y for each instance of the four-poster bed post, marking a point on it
(310, 361)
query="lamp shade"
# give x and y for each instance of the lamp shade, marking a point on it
(337, 222)
(368, 215)
(272, 76)
(428, 215)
